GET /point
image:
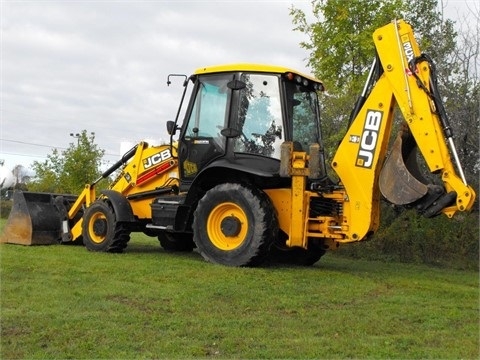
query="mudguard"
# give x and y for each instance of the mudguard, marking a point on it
(121, 206)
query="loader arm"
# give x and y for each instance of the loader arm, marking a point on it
(360, 157)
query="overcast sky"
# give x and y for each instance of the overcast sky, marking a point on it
(102, 66)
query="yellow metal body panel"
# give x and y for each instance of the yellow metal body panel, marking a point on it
(150, 168)
(84, 199)
(357, 170)
(281, 200)
(252, 67)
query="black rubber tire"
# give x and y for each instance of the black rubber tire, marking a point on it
(280, 253)
(176, 241)
(234, 225)
(101, 231)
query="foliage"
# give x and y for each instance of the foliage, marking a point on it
(461, 90)
(68, 171)
(405, 236)
(340, 39)
(147, 303)
(341, 46)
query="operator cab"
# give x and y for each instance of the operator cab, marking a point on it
(242, 113)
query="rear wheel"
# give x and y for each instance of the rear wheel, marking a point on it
(176, 241)
(234, 225)
(101, 231)
(281, 253)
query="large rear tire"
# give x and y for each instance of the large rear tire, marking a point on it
(101, 231)
(234, 225)
(281, 253)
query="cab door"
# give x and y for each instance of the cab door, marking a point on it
(208, 116)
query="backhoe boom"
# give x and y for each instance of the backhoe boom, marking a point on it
(359, 160)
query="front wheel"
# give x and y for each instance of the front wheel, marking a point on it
(234, 225)
(101, 231)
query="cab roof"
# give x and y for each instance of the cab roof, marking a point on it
(251, 67)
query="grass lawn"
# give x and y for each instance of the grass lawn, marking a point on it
(65, 302)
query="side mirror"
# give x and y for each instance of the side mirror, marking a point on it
(171, 128)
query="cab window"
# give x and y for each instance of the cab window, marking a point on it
(209, 112)
(260, 116)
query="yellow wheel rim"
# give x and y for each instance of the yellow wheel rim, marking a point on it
(227, 226)
(97, 227)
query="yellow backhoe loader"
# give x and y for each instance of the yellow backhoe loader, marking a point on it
(246, 177)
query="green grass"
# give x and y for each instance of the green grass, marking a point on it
(65, 302)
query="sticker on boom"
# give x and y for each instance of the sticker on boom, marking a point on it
(369, 139)
(156, 159)
(408, 49)
(409, 54)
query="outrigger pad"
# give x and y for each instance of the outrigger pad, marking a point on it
(33, 220)
(400, 181)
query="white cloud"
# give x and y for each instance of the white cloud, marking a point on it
(102, 65)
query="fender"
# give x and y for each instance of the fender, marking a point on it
(121, 206)
(260, 170)
(250, 164)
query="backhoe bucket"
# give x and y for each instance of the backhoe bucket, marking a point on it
(35, 219)
(400, 181)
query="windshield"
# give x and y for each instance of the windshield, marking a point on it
(210, 111)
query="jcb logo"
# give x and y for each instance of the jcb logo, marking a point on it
(156, 159)
(368, 142)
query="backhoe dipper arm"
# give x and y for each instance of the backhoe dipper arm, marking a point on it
(406, 81)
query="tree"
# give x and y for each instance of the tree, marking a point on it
(21, 174)
(70, 170)
(341, 47)
(461, 90)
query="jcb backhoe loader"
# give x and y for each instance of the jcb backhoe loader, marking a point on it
(246, 177)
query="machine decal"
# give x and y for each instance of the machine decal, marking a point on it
(157, 170)
(409, 53)
(407, 47)
(156, 159)
(355, 139)
(368, 142)
(189, 168)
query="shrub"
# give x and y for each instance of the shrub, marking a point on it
(409, 237)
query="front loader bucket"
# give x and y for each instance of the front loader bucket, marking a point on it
(35, 219)
(400, 181)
